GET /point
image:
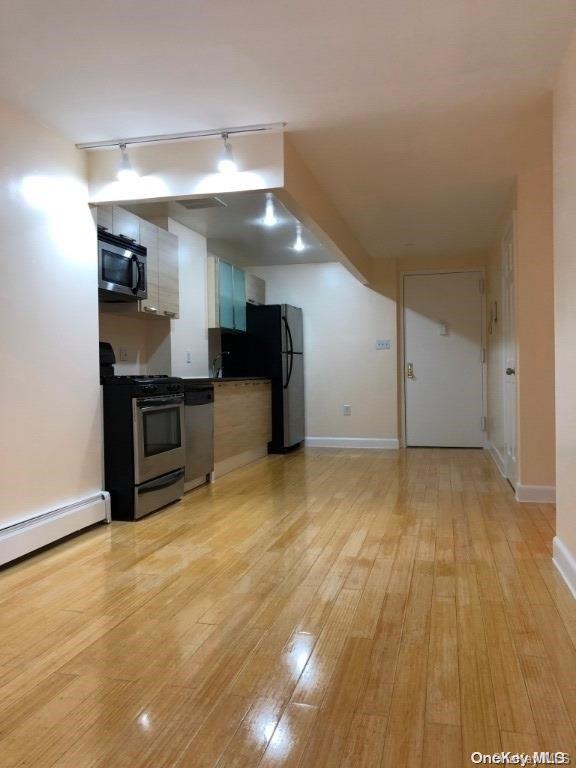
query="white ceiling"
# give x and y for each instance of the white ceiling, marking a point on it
(236, 230)
(413, 115)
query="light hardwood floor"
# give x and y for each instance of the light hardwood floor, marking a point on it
(327, 608)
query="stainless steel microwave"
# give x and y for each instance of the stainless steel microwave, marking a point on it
(121, 269)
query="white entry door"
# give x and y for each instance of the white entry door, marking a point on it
(443, 359)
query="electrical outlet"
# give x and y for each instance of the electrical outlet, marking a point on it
(383, 344)
(123, 354)
(189, 357)
(347, 410)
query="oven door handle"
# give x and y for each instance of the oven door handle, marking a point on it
(160, 404)
(162, 482)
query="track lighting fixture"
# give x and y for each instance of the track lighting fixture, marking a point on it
(165, 137)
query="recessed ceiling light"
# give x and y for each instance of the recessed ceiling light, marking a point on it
(270, 219)
(299, 244)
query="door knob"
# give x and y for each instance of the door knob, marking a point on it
(510, 371)
(410, 370)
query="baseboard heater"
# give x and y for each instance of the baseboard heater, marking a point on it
(26, 536)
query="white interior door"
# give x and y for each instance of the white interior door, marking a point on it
(510, 361)
(444, 359)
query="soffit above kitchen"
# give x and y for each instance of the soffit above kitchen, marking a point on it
(413, 116)
(164, 170)
(235, 228)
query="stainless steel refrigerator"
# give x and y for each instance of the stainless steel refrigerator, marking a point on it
(277, 352)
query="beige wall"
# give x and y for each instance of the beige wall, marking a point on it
(530, 211)
(342, 321)
(50, 441)
(565, 299)
(534, 284)
(145, 339)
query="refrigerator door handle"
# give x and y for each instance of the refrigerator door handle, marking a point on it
(289, 333)
(289, 371)
(291, 352)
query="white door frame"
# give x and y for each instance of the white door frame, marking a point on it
(402, 343)
(509, 237)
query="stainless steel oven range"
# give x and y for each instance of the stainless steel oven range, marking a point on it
(144, 443)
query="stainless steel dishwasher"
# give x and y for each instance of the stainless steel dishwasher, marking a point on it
(199, 421)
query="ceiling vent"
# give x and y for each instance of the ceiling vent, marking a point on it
(198, 203)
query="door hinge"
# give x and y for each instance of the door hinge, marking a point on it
(483, 355)
(482, 286)
(483, 423)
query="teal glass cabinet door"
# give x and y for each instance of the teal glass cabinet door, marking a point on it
(239, 279)
(226, 294)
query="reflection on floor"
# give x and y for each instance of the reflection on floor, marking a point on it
(327, 608)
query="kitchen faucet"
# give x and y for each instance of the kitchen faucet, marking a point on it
(217, 369)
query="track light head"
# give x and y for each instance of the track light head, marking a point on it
(227, 164)
(125, 170)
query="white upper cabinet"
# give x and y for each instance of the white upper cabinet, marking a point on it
(255, 289)
(118, 221)
(213, 293)
(125, 224)
(104, 217)
(149, 239)
(168, 291)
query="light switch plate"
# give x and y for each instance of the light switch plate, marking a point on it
(189, 357)
(347, 410)
(383, 344)
(123, 354)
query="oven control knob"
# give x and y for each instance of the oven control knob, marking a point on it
(150, 388)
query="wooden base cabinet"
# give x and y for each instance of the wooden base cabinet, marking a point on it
(242, 423)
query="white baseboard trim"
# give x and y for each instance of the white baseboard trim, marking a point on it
(24, 537)
(386, 443)
(565, 563)
(496, 457)
(537, 494)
